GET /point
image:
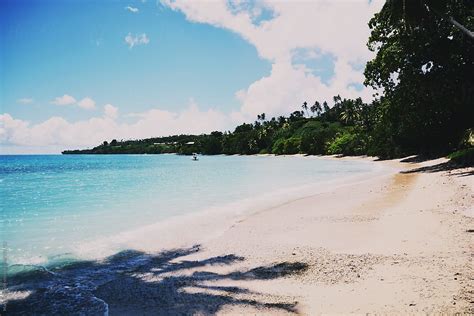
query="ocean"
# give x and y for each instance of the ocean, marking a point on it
(53, 205)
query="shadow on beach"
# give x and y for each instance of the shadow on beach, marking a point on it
(133, 282)
(454, 169)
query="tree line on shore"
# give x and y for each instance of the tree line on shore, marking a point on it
(423, 71)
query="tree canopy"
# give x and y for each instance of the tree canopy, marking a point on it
(424, 70)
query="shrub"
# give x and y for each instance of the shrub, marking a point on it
(278, 147)
(315, 136)
(348, 143)
(292, 145)
(288, 146)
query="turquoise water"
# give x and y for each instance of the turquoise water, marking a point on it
(50, 204)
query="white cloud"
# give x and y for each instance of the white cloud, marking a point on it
(110, 111)
(25, 100)
(338, 28)
(131, 9)
(138, 39)
(64, 100)
(308, 24)
(86, 103)
(56, 133)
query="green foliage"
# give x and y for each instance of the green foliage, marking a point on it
(348, 143)
(468, 139)
(316, 134)
(211, 144)
(464, 156)
(292, 145)
(289, 146)
(279, 147)
(424, 64)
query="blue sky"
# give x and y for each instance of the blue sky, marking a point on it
(77, 48)
(75, 73)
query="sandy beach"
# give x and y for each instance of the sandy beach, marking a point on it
(237, 157)
(396, 243)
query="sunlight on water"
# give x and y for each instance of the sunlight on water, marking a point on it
(50, 204)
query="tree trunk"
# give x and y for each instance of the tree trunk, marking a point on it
(461, 27)
(458, 25)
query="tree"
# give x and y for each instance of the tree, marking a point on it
(351, 111)
(325, 106)
(349, 115)
(316, 108)
(281, 120)
(423, 67)
(296, 115)
(211, 144)
(412, 12)
(305, 107)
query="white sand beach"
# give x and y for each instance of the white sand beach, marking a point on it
(396, 243)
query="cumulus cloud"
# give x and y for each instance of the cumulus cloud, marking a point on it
(64, 100)
(57, 133)
(338, 28)
(131, 9)
(110, 111)
(320, 27)
(138, 39)
(86, 103)
(25, 100)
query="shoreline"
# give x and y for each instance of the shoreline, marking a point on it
(159, 235)
(392, 243)
(271, 197)
(200, 226)
(393, 234)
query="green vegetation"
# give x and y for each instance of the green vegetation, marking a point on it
(463, 157)
(424, 65)
(423, 72)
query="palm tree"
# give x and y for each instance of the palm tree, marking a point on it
(305, 107)
(412, 11)
(325, 106)
(348, 115)
(351, 112)
(316, 108)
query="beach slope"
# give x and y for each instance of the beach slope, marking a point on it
(398, 243)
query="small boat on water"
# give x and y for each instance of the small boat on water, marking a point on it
(195, 157)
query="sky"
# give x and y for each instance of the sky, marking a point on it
(76, 73)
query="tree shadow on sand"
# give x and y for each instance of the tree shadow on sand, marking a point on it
(132, 282)
(454, 169)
